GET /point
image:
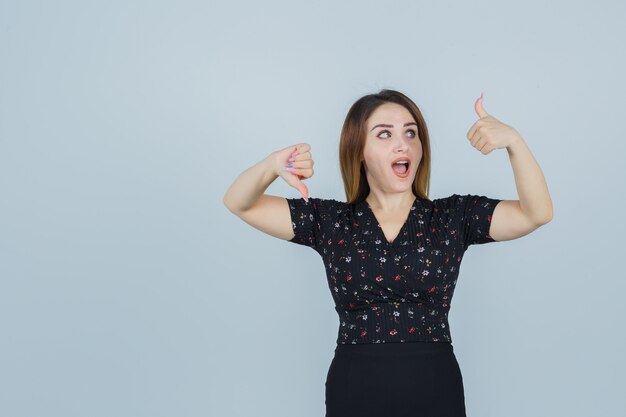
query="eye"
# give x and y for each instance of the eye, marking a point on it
(414, 133)
(384, 131)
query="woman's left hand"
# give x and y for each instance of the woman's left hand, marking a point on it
(488, 133)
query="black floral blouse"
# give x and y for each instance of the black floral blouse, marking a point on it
(399, 291)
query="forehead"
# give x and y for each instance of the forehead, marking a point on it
(390, 113)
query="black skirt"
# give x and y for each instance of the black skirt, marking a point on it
(409, 379)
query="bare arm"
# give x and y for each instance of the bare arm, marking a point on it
(250, 185)
(246, 196)
(512, 219)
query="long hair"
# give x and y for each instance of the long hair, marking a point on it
(352, 143)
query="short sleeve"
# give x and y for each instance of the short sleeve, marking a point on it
(309, 220)
(474, 213)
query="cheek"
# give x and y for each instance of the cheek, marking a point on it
(372, 161)
(418, 148)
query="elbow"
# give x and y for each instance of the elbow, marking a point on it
(231, 206)
(550, 215)
(548, 219)
(545, 219)
(226, 202)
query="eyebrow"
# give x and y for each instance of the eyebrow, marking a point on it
(405, 125)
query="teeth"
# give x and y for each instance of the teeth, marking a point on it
(402, 162)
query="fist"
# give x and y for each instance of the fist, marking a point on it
(488, 133)
(294, 164)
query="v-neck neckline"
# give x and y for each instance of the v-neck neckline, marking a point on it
(380, 229)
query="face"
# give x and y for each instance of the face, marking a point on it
(397, 138)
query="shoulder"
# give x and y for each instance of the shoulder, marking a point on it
(463, 204)
(319, 207)
(450, 199)
(466, 205)
(316, 202)
(449, 202)
(459, 200)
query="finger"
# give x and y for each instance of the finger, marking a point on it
(478, 107)
(297, 172)
(300, 186)
(296, 153)
(482, 146)
(308, 163)
(302, 172)
(473, 130)
(302, 156)
(475, 138)
(303, 147)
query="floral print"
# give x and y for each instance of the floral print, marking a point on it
(397, 291)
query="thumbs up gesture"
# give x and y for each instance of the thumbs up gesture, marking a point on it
(293, 164)
(488, 133)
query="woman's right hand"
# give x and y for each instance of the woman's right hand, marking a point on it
(299, 156)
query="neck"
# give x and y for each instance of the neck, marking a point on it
(390, 202)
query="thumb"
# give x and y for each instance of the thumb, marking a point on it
(478, 107)
(300, 186)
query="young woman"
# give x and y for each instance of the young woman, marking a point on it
(392, 255)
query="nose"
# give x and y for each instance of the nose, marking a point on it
(401, 145)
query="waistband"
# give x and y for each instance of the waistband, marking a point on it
(393, 322)
(394, 348)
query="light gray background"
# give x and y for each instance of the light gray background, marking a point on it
(128, 289)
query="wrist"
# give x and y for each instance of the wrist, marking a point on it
(516, 143)
(270, 166)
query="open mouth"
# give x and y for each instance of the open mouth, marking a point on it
(401, 167)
